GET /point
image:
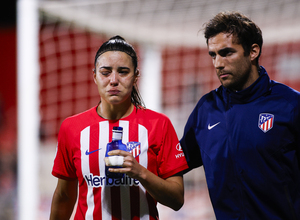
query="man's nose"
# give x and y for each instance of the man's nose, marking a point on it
(219, 62)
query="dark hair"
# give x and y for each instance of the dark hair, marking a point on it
(118, 43)
(244, 31)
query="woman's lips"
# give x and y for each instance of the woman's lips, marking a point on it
(113, 92)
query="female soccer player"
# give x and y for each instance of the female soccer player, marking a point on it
(154, 174)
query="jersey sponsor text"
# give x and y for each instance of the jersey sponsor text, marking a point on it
(100, 181)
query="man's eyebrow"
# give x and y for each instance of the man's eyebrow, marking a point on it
(211, 53)
(225, 49)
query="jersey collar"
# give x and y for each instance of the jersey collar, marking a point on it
(260, 87)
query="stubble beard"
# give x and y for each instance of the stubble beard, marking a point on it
(238, 82)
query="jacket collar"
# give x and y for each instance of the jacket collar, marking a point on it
(260, 87)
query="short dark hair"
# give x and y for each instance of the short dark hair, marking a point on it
(118, 43)
(244, 31)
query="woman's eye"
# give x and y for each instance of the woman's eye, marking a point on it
(123, 72)
(104, 73)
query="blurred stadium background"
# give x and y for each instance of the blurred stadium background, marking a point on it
(168, 37)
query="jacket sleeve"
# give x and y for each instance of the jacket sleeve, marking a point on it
(297, 128)
(189, 142)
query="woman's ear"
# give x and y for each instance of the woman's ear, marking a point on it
(94, 76)
(137, 75)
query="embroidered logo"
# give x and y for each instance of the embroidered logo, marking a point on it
(88, 153)
(180, 154)
(134, 148)
(178, 147)
(212, 126)
(265, 121)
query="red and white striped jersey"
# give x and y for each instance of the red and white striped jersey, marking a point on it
(80, 155)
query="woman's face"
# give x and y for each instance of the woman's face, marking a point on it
(114, 76)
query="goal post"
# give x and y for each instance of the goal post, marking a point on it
(28, 109)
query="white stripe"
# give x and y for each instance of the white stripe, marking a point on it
(125, 190)
(134, 152)
(103, 140)
(105, 193)
(143, 159)
(143, 139)
(266, 126)
(85, 167)
(125, 126)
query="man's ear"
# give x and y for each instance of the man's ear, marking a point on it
(254, 51)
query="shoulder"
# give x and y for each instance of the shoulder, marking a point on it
(80, 120)
(208, 97)
(206, 102)
(151, 114)
(204, 106)
(285, 93)
(151, 119)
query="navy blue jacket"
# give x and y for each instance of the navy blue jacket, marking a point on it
(249, 145)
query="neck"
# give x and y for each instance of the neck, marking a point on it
(253, 76)
(114, 112)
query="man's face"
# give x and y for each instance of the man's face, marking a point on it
(233, 68)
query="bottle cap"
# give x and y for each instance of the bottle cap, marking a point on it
(117, 128)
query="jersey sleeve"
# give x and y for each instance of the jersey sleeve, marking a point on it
(63, 167)
(189, 142)
(171, 159)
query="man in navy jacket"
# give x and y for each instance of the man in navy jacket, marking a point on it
(246, 133)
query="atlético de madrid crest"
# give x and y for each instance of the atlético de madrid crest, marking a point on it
(265, 121)
(134, 148)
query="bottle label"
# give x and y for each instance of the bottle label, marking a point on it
(114, 161)
(117, 135)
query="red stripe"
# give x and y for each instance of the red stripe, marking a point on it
(82, 190)
(94, 168)
(152, 207)
(134, 190)
(134, 203)
(115, 203)
(265, 126)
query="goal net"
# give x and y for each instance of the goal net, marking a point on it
(72, 31)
